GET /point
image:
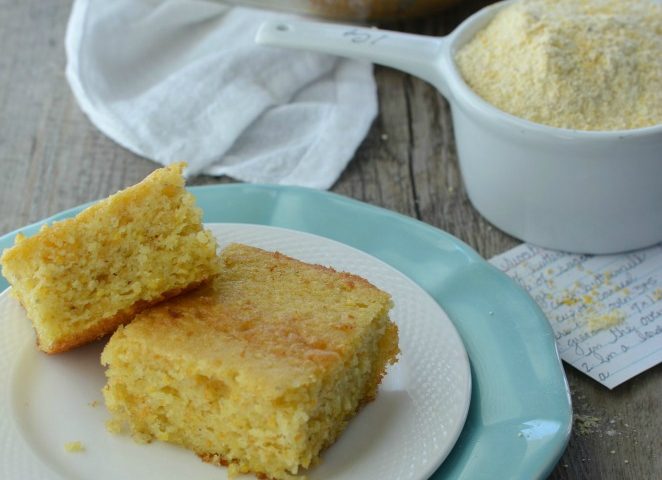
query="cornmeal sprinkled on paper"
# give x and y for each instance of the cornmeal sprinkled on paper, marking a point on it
(604, 321)
(605, 310)
(74, 447)
(580, 64)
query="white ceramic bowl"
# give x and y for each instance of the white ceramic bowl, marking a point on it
(571, 190)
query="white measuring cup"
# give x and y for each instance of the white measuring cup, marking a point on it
(578, 191)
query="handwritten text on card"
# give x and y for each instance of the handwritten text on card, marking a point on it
(606, 311)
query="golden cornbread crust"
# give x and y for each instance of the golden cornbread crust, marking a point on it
(260, 370)
(78, 279)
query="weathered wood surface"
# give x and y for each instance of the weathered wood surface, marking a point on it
(52, 158)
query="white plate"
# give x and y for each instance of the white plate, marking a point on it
(47, 401)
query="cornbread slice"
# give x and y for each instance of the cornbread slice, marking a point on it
(259, 370)
(80, 278)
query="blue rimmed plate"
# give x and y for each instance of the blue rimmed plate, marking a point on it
(520, 416)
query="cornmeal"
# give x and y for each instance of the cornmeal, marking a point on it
(260, 370)
(579, 64)
(602, 322)
(80, 278)
(74, 447)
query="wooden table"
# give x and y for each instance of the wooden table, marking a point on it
(52, 158)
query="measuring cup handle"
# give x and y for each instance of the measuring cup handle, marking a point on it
(416, 54)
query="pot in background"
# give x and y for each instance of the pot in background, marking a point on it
(353, 9)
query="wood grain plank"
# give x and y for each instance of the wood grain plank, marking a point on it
(377, 174)
(52, 158)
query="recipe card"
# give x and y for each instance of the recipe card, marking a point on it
(605, 310)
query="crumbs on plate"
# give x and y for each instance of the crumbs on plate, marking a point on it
(74, 447)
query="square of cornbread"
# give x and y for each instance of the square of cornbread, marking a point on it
(80, 278)
(259, 370)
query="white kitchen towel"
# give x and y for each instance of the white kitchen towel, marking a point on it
(177, 80)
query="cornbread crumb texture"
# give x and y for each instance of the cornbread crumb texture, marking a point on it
(80, 278)
(74, 447)
(580, 64)
(259, 370)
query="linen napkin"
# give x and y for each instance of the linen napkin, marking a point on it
(176, 80)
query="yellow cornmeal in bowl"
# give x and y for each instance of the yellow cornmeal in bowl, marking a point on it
(80, 278)
(260, 370)
(577, 64)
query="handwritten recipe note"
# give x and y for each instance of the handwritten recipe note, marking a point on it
(606, 310)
